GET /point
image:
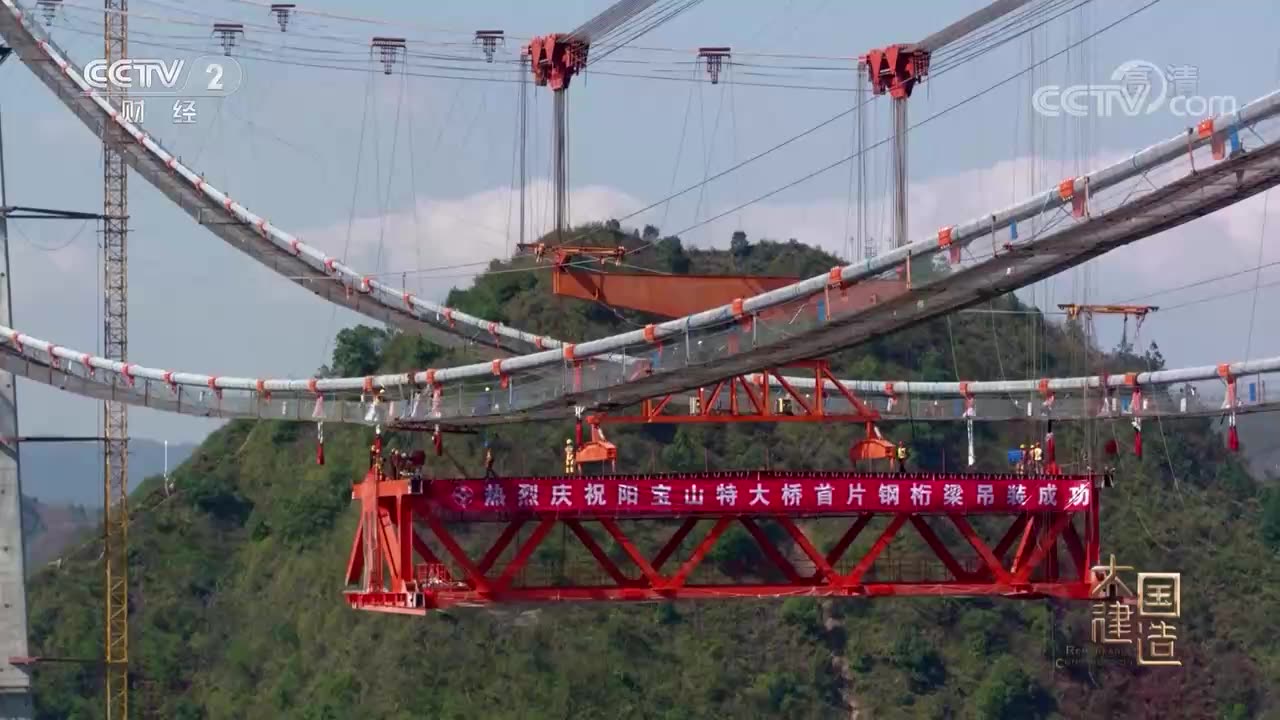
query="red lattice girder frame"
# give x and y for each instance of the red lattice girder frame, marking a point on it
(749, 399)
(1023, 563)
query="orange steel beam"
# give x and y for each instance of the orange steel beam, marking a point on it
(560, 254)
(679, 295)
(1073, 310)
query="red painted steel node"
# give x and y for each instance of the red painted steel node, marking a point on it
(554, 60)
(405, 559)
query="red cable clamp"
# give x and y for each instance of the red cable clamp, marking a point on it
(311, 386)
(1217, 141)
(364, 284)
(1233, 435)
(431, 379)
(1046, 394)
(127, 372)
(226, 204)
(568, 351)
(168, 380)
(213, 385)
(537, 342)
(84, 360)
(1067, 189)
(367, 386)
(16, 339)
(503, 380)
(739, 313)
(448, 316)
(328, 265)
(651, 334)
(944, 237)
(295, 246)
(54, 361)
(968, 399)
(944, 241)
(493, 329)
(262, 390)
(262, 226)
(408, 300)
(171, 162)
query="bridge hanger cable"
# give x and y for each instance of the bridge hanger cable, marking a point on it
(819, 171)
(485, 75)
(941, 113)
(1262, 243)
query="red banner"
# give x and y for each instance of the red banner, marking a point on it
(762, 494)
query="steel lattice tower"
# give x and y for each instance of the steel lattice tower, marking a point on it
(116, 347)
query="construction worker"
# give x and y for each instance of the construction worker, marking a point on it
(1022, 458)
(570, 458)
(1037, 458)
(488, 463)
(901, 454)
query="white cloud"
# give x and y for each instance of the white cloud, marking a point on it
(449, 241)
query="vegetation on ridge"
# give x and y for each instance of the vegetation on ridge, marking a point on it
(237, 611)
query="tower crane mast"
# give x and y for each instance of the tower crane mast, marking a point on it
(115, 315)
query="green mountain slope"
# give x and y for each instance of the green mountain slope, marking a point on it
(237, 578)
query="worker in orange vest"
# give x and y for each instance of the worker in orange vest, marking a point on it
(488, 463)
(570, 458)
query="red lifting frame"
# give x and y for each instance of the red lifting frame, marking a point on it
(393, 569)
(758, 405)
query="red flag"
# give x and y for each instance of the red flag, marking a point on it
(1137, 442)
(1233, 439)
(320, 453)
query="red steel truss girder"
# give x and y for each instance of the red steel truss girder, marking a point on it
(1023, 563)
(750, 400)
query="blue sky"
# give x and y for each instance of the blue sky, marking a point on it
(433, 186)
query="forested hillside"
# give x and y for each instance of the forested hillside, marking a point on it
(237, 579)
